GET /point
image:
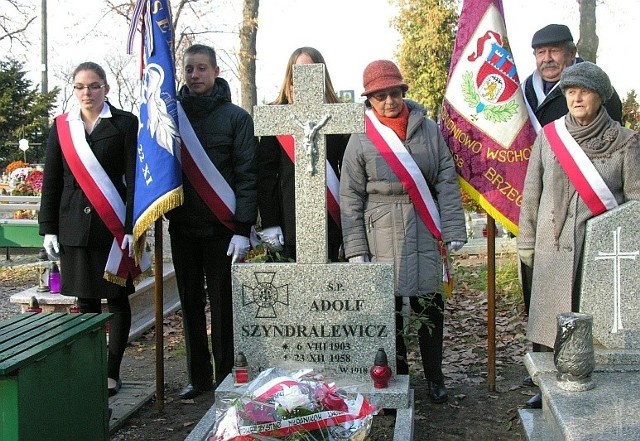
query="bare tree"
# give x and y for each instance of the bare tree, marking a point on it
(64, 74)
(127, 92)
(588, 41)
(193, 20)
(248, 35)
(15, 18)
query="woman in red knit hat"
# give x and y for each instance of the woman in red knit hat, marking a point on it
(400, 202)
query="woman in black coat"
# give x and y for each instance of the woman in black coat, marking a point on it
(97, 138)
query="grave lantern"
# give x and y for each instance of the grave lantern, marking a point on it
(44, 267)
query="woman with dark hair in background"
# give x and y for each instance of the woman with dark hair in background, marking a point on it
(276, 175)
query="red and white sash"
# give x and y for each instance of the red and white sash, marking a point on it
(104, 198)
(404, 166)
(211, 186)
(579, 168)
(287, 142)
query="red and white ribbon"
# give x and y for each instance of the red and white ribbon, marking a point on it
(579, 168)
(211, 186)
(102, 195)
(287, 142)
(404, 166)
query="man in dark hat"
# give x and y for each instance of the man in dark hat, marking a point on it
(554, 50)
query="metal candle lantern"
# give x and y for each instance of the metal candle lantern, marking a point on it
(573, 351)
(44, 266)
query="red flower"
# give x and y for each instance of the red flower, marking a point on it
(35, 179)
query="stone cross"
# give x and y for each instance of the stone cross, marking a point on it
(309, 119)
(609, 284)
(616, 255)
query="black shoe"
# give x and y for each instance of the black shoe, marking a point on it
(528, 381)
(192, 391)
(534, 402)
(114, 389)
(437, 392)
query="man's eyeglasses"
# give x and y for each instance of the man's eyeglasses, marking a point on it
(382, 96)
(92, 87)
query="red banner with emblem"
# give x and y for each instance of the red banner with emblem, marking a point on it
(484, 119)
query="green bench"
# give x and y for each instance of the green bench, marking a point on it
(18, 233)
(53, 377)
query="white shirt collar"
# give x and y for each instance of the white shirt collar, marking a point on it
(74, 113)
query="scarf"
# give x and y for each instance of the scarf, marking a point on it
(600, 138)
(398, 124)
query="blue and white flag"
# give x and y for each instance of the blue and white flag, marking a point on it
(158, 185)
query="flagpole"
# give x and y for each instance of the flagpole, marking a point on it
(491, 304)
(159, 314)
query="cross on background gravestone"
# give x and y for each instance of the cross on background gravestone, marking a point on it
(609, 288)
(309, 113)
(616, 255)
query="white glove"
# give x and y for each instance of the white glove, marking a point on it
(273, 237)
(526, 256)
(238, 247)
(51, 245)
(363, 258)
(127, 242)
(455, 245)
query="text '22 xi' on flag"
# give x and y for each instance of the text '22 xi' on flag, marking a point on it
(484, 119)
(158, 185)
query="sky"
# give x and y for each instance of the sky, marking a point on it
(349, 33)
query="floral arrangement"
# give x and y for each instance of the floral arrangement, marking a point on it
(34, 178)
(262, 252)
(15, 165)
(298, 406)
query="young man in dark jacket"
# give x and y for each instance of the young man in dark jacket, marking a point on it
(210, 231)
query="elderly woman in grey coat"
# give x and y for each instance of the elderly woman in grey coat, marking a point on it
(581, 165)
(400, 202)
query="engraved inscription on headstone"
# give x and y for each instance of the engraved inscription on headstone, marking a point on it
(610, 274)
(314, 313)
(333, 315)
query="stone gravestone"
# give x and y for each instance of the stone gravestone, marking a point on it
(333, 315)
(611, 294)
(611, 270)
(327, 316)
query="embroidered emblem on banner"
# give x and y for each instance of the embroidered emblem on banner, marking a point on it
(491, 89)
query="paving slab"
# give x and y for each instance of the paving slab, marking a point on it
(131, 397)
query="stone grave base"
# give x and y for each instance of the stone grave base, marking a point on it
(606, 412)
(397, 396)
(142, 301)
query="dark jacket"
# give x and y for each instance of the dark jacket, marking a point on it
(276, 190)
(554, 105)
(65, 210)
(226, 133)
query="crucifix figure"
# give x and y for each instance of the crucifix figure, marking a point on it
(310, 130)
(308, 120)
(616, 255)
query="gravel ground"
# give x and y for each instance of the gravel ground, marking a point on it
(16, 274)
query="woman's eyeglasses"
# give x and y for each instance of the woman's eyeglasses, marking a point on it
(382, 96)
(92, 87)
